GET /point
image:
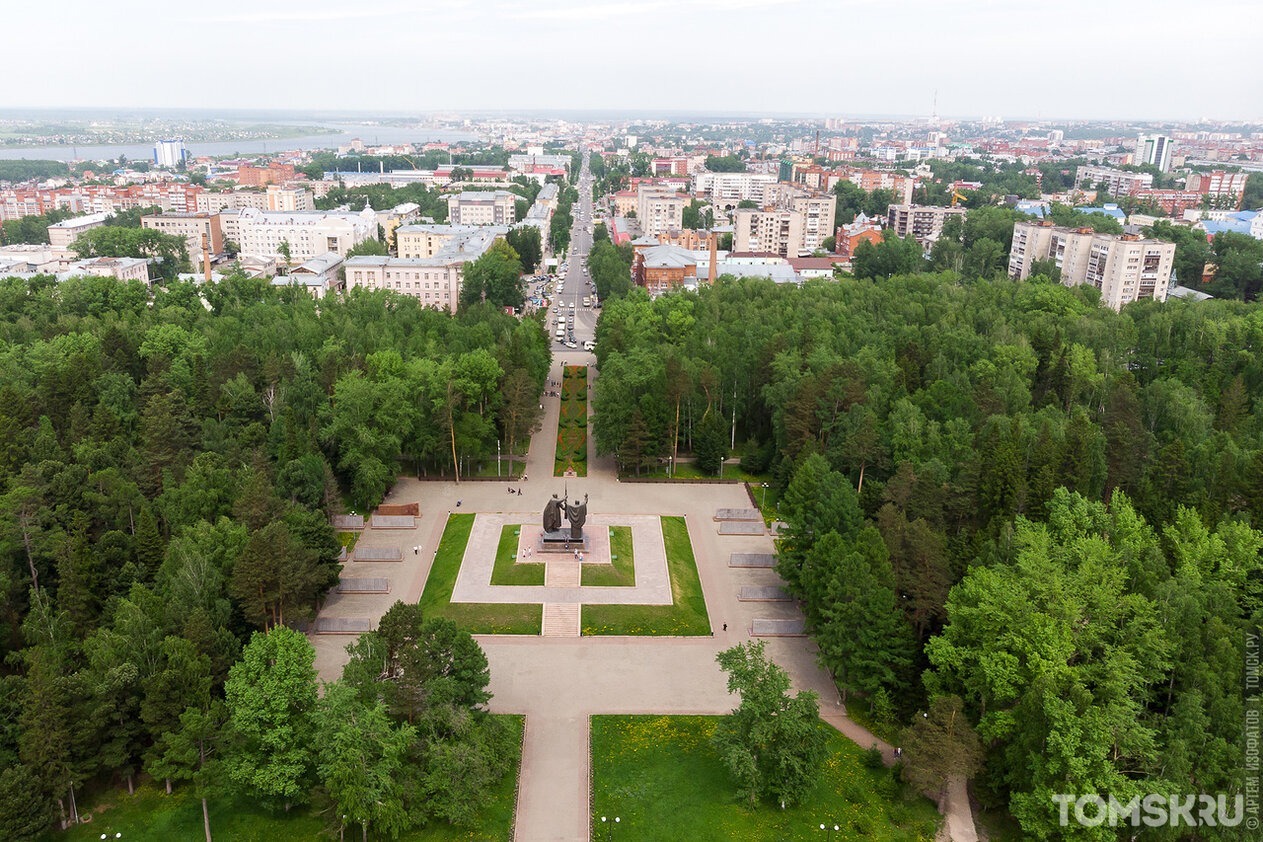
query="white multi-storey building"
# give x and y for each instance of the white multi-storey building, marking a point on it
(308, 233)
(482, 207)
(925, 222)
(1155, 150)
(726, 190)
(796, 222)
(433, 279)
(1117, 182)
(169, 153)
(62, 234)
(659, 208)
(1124, 267)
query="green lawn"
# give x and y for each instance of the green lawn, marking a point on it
(687, 613)
(663, 779)
(621, 571)
(474, 617)
(152, 815)
(348, 539)
(507, 569)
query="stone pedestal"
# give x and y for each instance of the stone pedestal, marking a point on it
(560, 541)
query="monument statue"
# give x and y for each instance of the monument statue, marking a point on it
(577, 514)
(552, 514)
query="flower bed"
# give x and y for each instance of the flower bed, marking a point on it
(572, 423)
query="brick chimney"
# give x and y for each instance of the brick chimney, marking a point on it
(206, 264)
(713, 242)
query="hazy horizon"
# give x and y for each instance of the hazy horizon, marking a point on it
(807, 58)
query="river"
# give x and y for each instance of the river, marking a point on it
(370, 134)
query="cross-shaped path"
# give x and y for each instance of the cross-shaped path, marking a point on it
(559, 682)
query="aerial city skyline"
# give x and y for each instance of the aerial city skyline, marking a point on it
(631, 421)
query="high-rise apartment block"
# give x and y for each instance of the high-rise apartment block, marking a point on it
(1154, 150)
(925, 222)
(726, 190)
(659, 208)
(791, 223)
(169, 153)
(1124, 267)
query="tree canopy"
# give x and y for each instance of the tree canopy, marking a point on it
(994, 490)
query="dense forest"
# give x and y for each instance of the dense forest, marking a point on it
(999, 495)
(168, 466)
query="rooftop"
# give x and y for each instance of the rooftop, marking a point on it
(80, 221)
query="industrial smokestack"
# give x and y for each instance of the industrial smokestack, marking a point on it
(206, 264)
(714, 257)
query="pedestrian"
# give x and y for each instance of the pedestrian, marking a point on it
(725, 627)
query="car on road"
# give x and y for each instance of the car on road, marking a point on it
(571, 345)
(589, 345)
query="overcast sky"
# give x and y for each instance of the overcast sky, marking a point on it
(1070, 58)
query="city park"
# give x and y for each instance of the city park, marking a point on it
(601, 603)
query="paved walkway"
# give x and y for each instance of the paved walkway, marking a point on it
(561, 583)
(558, 680)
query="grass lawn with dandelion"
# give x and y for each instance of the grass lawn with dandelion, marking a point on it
(153, 816)
(621, 571)
(686, 616)
(664, 780)
(473, 617)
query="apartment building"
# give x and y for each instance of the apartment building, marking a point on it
(658, 208)
(925, 222)
(1154, 150)
(169, 153)
(482, 207)
(433, 280)
(1172, 202)
(308, 233)
(725, 190)
(1117, 182)
(1218, 184)
(62, 234)
(195, 228)
(1124, 267)
(791, 222)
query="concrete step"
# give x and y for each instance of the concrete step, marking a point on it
(561, 619)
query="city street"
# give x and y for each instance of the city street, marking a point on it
(575, 284)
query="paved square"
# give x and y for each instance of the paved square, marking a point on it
(653, 582)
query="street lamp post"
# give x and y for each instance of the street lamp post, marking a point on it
(829, 831)
(497, 458)
(609, 826)
(763, 495)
